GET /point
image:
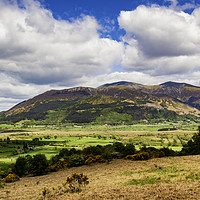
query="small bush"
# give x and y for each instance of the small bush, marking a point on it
(75, 182)
(139, 156)
(89, 159)
(11, 178)
(59, 165)
(45, 192)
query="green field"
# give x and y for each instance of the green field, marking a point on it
(50, 139)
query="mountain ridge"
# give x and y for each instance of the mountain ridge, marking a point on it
(181, 98)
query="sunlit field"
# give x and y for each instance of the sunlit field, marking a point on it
(53, 138)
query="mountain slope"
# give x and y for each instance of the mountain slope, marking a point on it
(141, 102)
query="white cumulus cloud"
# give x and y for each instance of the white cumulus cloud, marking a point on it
(37, 48)
(161, 40)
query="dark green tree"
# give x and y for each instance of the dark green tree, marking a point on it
(21, 166)
(129, 149)
(192, 147)
(39, 164)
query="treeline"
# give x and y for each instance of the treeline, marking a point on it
(38, 164)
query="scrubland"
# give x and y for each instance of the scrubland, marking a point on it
(160, 178)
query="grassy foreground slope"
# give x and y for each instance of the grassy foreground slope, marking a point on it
(161, 178)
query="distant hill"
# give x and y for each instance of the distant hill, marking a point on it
(167, 101)
(120, 83)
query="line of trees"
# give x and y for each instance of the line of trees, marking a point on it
(38, 164)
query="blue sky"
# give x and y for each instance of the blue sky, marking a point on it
(104, 10)
(56, 44)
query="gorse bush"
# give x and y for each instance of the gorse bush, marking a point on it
(75, 182)
(11, 178)
(89, 159)
(157, 153)
(139, 156)
(59, 165)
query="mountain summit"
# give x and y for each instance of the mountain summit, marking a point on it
(120, 83)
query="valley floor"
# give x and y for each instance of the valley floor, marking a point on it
(161, 178)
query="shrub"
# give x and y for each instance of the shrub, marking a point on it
(92, 159)
(21, 166)
(4, 172)
(155, 153)
(54, 159)
(11, 178)
(167, 152)
(139, 156)
(192, 147)
(59, 165)
(64, 152)
(129, 149)
(108, 152)
(94, 150)
(75, 182)
(118, 147)
(39, 164)
(75, 160)
(45, 192)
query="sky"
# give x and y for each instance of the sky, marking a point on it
(57, 44)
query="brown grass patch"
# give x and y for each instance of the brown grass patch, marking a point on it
(109, 181)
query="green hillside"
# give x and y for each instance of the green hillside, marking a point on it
(116, 103)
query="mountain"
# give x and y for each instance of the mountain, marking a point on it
(167, 101)
(120, 83)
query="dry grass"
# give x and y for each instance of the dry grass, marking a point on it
(178, 179)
